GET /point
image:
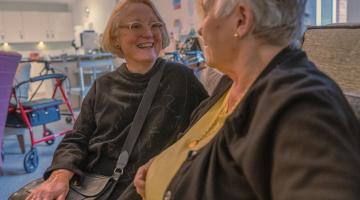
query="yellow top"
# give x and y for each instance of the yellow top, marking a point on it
(166, 164)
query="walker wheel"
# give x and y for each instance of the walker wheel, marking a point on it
(31, 161)
(47, 133)
(68, 120)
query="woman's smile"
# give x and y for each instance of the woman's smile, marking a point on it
(146, 45)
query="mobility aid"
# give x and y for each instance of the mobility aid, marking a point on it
(38, 112)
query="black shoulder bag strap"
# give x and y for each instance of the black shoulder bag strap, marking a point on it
(138, 121)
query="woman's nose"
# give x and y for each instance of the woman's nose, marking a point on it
(147, 32)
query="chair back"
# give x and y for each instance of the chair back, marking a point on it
(335, 49)
(22, 74)
(8, 64)
(22, 94)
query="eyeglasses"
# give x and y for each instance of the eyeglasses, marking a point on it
(140, 28)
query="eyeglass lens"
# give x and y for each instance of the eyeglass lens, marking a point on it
(140, 28)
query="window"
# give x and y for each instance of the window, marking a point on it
(326, 12)
(311, 12)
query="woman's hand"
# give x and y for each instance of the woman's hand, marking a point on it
(55, 187)
(140, 178)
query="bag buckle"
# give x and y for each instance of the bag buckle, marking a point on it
(76, 183)
(119, 171)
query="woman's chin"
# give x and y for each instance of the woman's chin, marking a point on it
(150, 59)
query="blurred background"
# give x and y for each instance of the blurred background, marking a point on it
(62, 36)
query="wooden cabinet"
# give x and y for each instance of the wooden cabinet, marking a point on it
(2, 30)
(21, 27)
(13, 27)
(34, 26)
(60, 27)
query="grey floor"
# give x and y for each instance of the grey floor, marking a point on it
(14, 175)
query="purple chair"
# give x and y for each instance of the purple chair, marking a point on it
(8, 64)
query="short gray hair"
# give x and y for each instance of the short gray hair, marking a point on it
(276, 21)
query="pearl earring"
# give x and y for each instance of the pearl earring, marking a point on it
(236, 35)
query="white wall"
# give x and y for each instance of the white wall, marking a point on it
(342, 11)
(99, 13)
(49, 48)
(187, 15)
(353, 11)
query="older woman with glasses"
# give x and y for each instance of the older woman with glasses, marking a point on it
(276, 128)
(136, 33)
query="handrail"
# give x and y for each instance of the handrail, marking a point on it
(41, 78)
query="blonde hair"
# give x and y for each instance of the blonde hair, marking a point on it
(109, 37)
(276, 21)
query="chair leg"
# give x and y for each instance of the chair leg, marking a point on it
(20, 139)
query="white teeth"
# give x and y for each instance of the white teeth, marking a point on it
(145, 45)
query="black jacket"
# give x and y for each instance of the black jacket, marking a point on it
(106, 115)
(293, 136)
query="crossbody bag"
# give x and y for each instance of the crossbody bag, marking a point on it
(96, 186)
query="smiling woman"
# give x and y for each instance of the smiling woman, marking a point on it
(136, 33)
(275, 128)
(139, 36)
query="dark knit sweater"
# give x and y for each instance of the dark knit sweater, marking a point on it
(108, 110)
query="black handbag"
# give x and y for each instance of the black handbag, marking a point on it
(98, 187)
(93, 186)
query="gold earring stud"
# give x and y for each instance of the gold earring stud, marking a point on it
(236, 35)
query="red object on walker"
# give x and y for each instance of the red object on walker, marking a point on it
(38, 112)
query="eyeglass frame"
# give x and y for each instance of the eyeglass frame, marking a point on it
(149, 25)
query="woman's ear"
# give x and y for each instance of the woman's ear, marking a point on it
(118, 47)
(116, 43)
(244, 19)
